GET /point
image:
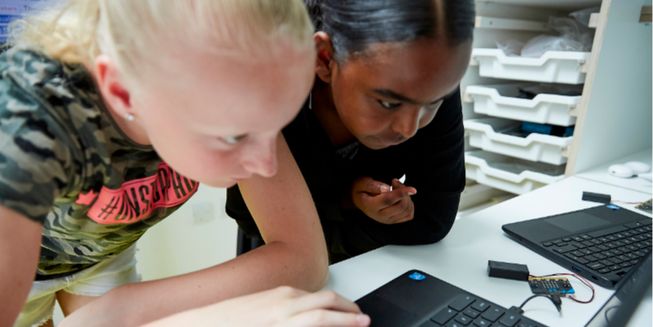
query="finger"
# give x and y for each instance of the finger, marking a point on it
(375, 187)
(328, 318)
(323, 300)
(397, 184)
(391, 198)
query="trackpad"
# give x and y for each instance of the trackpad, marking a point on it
(577, 222)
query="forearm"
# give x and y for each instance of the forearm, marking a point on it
(268, 266)
(432, 222)
(19, 250)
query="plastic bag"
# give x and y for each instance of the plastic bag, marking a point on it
(574, 35)
(510, 47)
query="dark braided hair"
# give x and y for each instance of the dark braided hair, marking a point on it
(355, 24)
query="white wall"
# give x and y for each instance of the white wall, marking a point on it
(196, 236)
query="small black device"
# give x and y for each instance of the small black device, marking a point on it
(601, 243)
(596, 197)
(507, 270)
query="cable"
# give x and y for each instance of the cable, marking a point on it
(555, 299)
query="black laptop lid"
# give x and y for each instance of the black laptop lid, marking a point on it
(625, 300)
(542, 229)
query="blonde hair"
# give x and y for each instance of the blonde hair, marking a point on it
(131, 31)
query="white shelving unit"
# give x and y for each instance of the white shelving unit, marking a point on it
(612, 115)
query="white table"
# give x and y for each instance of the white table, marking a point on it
(461, 258)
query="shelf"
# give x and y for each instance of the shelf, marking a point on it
(487, 134)
(500, 100)
(510, 174)
(563, 5)
(510, 24)
(552, 67)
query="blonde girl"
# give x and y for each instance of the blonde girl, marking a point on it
(111, 113)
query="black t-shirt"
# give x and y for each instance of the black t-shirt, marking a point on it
(433, 162)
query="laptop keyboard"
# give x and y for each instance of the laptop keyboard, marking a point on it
(470, 311)
(609, 252)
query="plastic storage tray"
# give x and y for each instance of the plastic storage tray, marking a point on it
(552, 66)
(501, 101)
(510, 174)
(487, 134)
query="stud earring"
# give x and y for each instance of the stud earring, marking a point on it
(130, 117)
(310, 100)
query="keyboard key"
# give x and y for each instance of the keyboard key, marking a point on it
(463, 319)
(547, 244)
(480, 306)
(608, 231)
(509, 319)
(599, 256)
(480, 322)
(565, 248)
(454, 323)
(461, 302)
(625, 264)
(492, 314)
(471, 313)
(527, 324)
(596, 265)
(444, 315)
(591, 258)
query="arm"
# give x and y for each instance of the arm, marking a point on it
(282, 306)
(20, 240)
(295, 255)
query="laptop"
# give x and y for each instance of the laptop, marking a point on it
(600, 243)
(418, 299)
(619, 308)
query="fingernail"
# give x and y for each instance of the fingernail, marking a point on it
(412, 192)
(363, 319)
(385, 188)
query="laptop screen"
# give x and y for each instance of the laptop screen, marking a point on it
(621, 305)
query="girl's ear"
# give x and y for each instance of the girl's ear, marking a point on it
(112, 88)
(325, 58)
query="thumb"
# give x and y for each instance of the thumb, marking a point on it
(406, 190)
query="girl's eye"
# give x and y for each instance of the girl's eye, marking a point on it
(232, 140)
(389, 105)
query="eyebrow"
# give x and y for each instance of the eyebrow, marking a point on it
(394, 95)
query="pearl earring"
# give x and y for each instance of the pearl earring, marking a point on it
(130, 117)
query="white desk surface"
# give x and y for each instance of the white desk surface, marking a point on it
(600, 173)
(461, 257)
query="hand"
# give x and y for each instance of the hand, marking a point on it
(382, 202)
(282, 306)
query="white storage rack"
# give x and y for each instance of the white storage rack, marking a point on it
(611, 75)
(500, 100)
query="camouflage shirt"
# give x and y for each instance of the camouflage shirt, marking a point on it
(65, 164)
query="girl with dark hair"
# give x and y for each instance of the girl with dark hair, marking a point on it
(385, 104)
